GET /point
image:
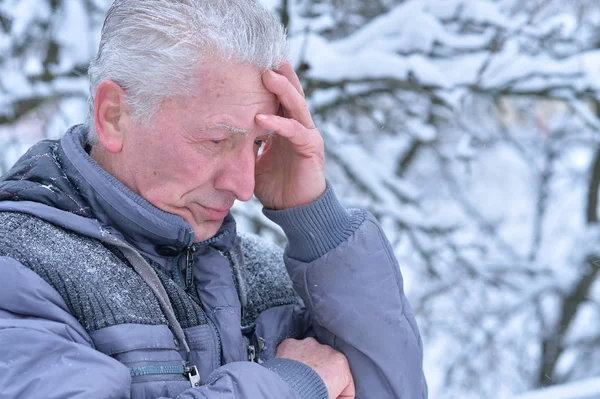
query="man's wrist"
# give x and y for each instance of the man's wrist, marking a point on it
(303, 379)
(317, 228)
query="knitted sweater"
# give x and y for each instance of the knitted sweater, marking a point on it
(101, 289)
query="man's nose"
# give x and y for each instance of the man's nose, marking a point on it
(237, 175)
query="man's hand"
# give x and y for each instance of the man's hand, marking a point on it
(291, 170)
(330, 364)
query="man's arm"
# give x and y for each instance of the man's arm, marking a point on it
(45, 352)
(344, 269)
(340, 262)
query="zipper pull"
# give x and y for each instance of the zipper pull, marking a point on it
(189, 267)
(251, 353)
(191, 372)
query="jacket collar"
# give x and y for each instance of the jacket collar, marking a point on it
(123, 212)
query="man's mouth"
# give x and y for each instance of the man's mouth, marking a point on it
(214, 213)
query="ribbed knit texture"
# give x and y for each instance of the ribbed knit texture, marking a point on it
(99, 290)
(302, 378)
(187, 311)
(267, 283)
(315, 229)
(98, 285)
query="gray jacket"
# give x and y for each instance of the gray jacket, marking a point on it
(106, 296)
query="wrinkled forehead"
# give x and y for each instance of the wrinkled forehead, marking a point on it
(226, 96)
(232, 79)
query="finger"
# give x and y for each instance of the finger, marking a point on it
(286, 69)
(289, 97)
(289, 128)
(350, 391)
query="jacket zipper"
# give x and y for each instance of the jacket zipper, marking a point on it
(227, 255)
(189, 280)
(190, 372)
(189, 255)
(218, 337)
(189, 266)
(254, 345)
(176, 273)
(195, 298)
(252, 353)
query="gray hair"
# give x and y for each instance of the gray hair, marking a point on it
(152, 48)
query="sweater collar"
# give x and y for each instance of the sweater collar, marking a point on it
(123, 212)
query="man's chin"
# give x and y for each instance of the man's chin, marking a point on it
(206, 230)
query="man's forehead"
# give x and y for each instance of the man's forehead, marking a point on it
(230, 77)
(228, 97)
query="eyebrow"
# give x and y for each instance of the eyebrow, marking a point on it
(234, 129)
(230, 128)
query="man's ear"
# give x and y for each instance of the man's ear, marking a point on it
(111, 115)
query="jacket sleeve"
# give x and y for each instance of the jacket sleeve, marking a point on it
(343, 267)
(45, 352)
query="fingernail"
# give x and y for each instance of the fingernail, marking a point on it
(273, 74)
(262, 117)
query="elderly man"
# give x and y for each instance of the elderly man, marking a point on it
(123, 274)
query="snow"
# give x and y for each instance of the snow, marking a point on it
(465, 149)
(329, 63)
(76, 48)
(485, 12)
(565, 25)
(393, 45)
(376, 178)
(300, 25)
(16, 83)
(23, 12)
(423, 131)
(443, 9)
(408, 35)
(33, 66)
(587, 389)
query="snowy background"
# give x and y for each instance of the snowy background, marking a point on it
(470, 128)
